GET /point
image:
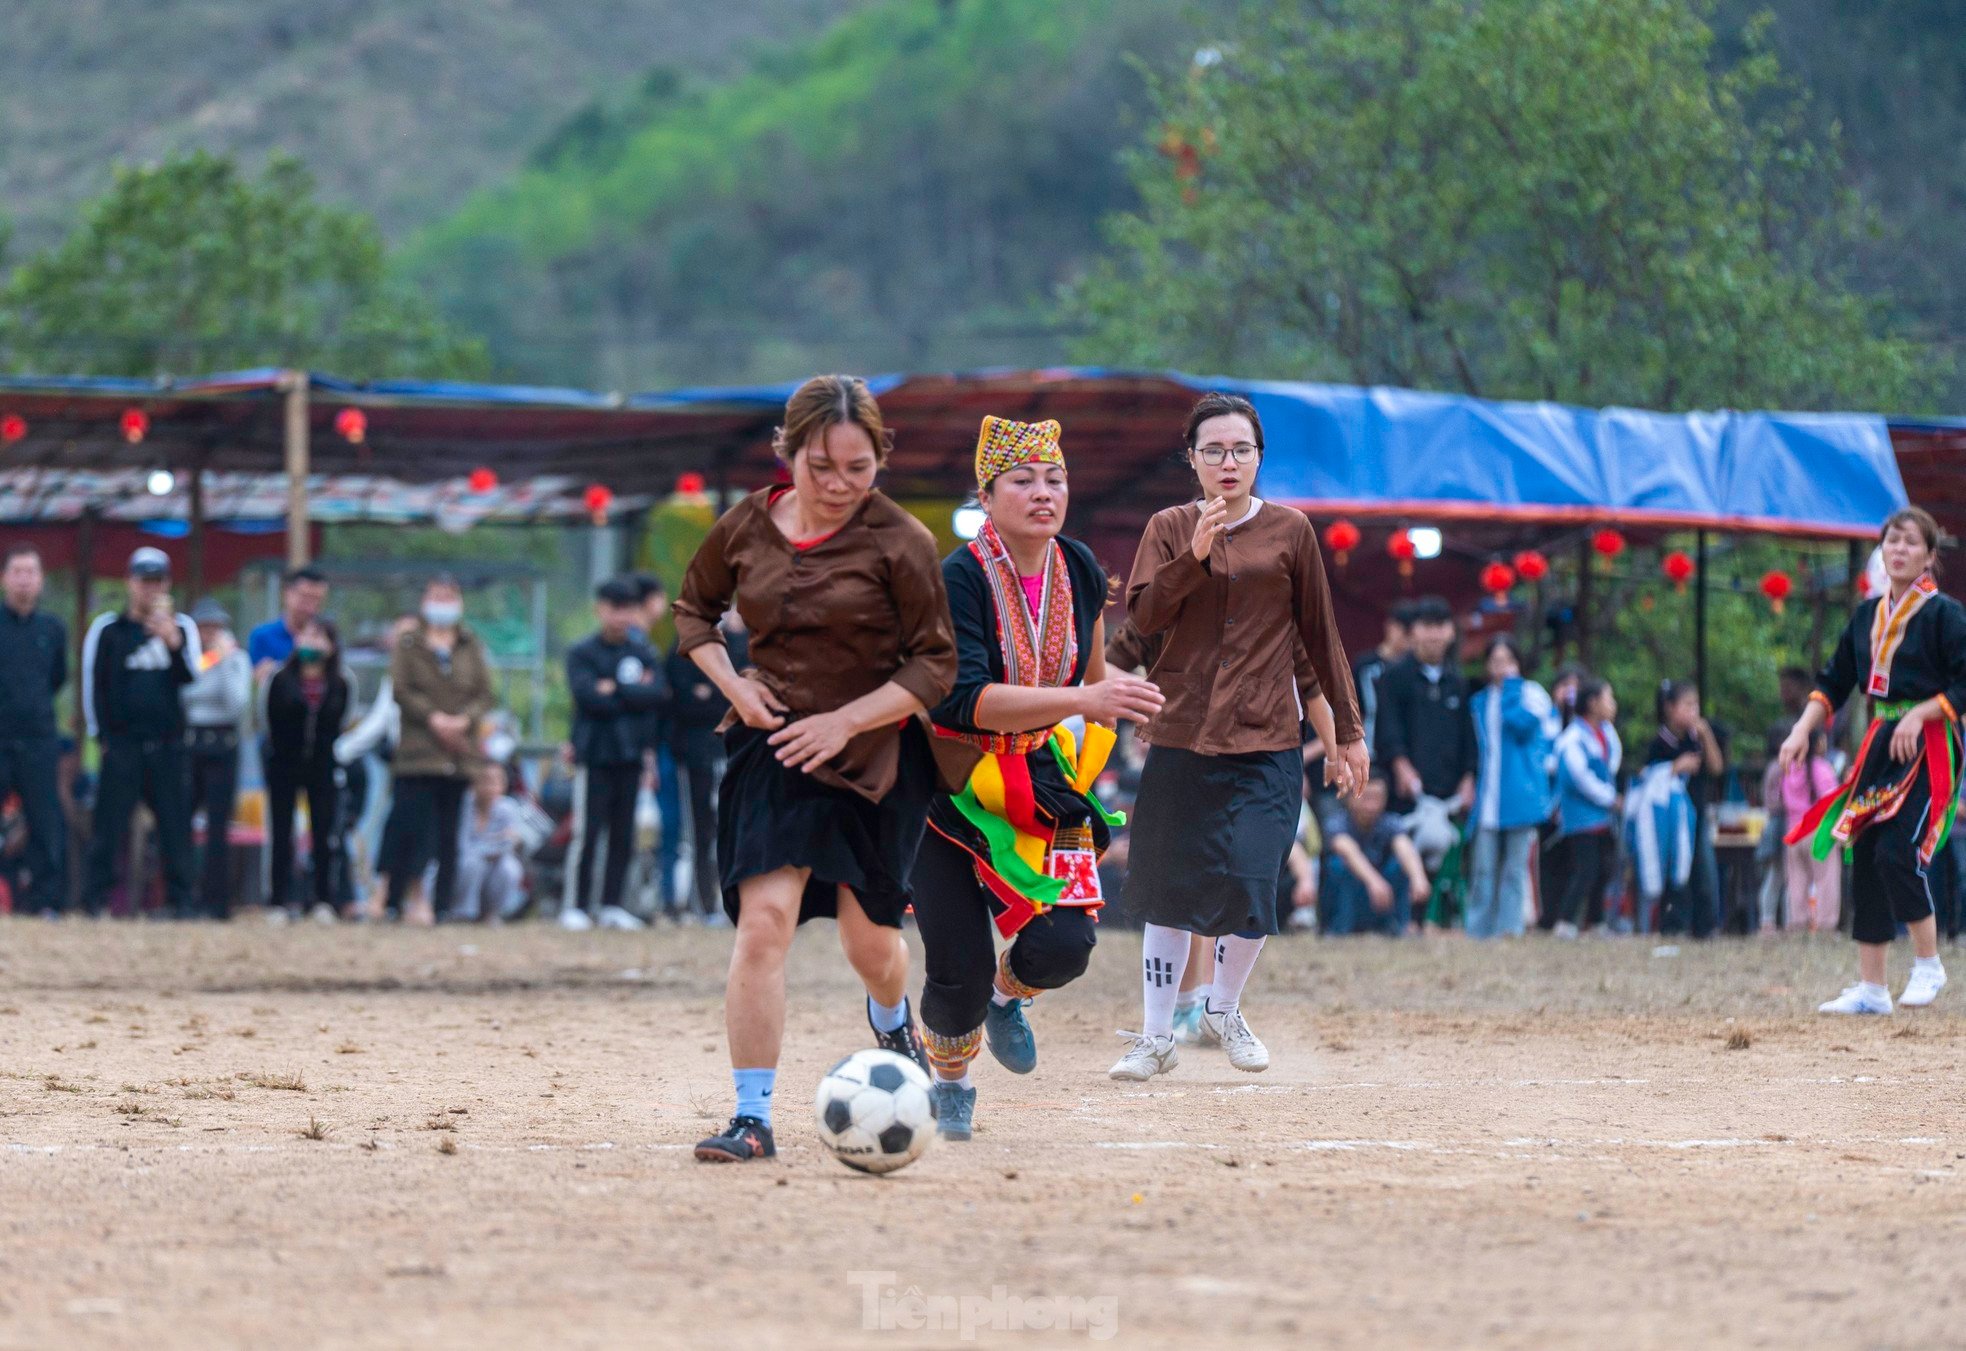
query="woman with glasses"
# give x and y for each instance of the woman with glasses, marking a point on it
(1236, 589)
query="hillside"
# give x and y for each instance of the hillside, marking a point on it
(400, 107)
(908, 190)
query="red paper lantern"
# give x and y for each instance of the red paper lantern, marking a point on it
(689, 484)
(136, 424)
(352, 425)
(1777, 586)
(1496, 579)
(13, 427)
(598, 498)
(1402, 549)
(1678, 568)
(1608, 543)
(1341, 537)
(482, 480)
(1531, 566)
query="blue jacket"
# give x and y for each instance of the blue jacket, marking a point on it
(1513, 727)
(1660, 827)
(1586, 778)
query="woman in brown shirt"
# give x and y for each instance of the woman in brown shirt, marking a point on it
(823, 802)
(1234, 586)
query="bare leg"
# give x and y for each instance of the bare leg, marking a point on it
(1924, 939)
(754, 997)
(1870, 959)
(1201, 962)
(877, 953)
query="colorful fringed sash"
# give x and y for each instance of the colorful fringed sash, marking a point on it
(1887, 631)
(1851, 809)
(1040, 650)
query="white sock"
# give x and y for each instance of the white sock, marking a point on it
(1874, 990)
(999, 998)
(887, 1019)
(1187, 999)
(1163, 955)
(1235, 958)
(963, 1082)
(1931, 963)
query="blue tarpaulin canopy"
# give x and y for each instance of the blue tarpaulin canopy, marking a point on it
(1368, 453)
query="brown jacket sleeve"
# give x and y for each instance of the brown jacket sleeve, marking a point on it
(1128, 650)
(1165, 573)
(708, 587)
(482, 699)
(1318, 626)
(928, 638)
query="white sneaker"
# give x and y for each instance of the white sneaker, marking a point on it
(1924, 986)
(1145, 1058)
(574, 920)
(1564, 929)
(1246, 1053)
(1304, 918)
(1856, 999)
(614, 917)
(323, 913)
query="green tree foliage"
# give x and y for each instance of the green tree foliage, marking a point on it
(909, 190)
(193, 266)
(1556, 199)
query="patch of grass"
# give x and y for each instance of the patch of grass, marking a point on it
(285, 1083)
(96, 1018)
(1739, 1039)
(130, 1109)
(348, 1048)
(54, 1084)
(139, 1088)
(447, 1145)
(247, 1032)
(206, 1094)
(316, 1129)
(440, 1123)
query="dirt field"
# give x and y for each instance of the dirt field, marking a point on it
(1532, 1145)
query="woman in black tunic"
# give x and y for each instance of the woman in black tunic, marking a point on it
(1238, 588)
(1906, 649)
(1021, 739)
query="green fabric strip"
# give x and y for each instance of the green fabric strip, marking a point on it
(1071, 771)
(1001, 837)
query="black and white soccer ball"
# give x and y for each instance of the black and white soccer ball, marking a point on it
(875, 1112)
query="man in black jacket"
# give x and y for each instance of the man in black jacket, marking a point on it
(617, 686)
(133, 666)
(33, 668)
(696, 707)
(1425, 729)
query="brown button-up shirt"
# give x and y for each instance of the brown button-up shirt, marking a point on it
(1234, 628)
(829, 622)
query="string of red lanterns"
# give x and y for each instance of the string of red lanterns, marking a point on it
(1777, 585)
(136, 425)
(1497, 579)
(1679, 570)
(482, 480)
(597, 499)
(352, 426)
(1531, 566)
(1402, 550)
(13, 427)
(1341, 537)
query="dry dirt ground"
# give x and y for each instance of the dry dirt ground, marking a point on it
(248, 1137)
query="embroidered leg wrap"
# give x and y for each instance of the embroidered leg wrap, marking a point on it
(951, 1055)
(1007, 983)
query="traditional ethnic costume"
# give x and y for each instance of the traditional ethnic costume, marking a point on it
(1896, 817)
(831, 619)
(1223, 783)
(1015, 845)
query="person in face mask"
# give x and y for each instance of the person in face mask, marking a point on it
(306, 704)
(440, 673)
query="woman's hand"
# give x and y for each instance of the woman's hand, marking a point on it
(1122, 696)
(1214, 515)
(813, 741)
(1688, 764)
(1348, 770)
(756, 705)
(1910, 732)
(1795, 748)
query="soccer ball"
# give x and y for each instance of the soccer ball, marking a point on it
(874, 1111)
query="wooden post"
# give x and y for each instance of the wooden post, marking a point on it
(1584, 602)
(85, 557)
(298, 545)
(1700, 618)
(197, 540)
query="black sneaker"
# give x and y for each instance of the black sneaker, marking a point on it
(904, 1040)
(744, 1139)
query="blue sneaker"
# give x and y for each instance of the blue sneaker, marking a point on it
(1011, 1040)
(954, 1108)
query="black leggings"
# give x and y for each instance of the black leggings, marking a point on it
(954, 916)
(1584, 874)
(425, 815)
(1888, 887)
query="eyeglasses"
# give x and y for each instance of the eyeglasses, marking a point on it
(1215, 455)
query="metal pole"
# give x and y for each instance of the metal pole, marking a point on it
(85, 556)
(1700, 617)
(723, 479)
(298, 543)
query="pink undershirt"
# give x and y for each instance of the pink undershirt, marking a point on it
(1033, 591)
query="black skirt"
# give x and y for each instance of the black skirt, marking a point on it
(1210, 835)
(770, 817)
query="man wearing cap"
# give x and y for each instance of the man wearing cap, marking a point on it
(135, 665)
(215, 705)
(33, 668)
